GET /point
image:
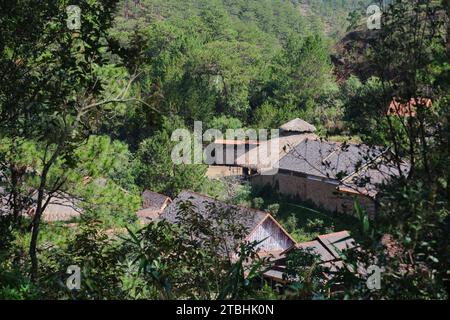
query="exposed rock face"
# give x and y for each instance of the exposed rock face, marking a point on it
(350, 57)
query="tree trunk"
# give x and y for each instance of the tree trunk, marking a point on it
(34, 236)
(40, 207)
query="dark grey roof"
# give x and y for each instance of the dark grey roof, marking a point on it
(153, 200)
(337, 242)
(327, 247)
(206, 206)
(375, 174)
(315, 247)
(328, 159)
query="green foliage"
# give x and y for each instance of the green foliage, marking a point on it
(408, 59)
(197, 258)
(365, 109)
(332, 15)
(71, 121)
(273, 209)
(270, 116)
(51, 89)
(155, 169)
(258, 203)
(303, 71)
(306, 274)
(223, 123)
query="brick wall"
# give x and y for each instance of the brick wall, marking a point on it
(321, 193)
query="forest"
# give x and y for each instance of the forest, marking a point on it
(87, 112)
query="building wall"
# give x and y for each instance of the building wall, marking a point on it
(215, 172)
(320, 192)
(226, 154)
(275, 238)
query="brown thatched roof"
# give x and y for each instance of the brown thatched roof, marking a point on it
(61, 208)
(267, 155)
(298, 125)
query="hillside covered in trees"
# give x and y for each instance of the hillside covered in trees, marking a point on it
(89, 103)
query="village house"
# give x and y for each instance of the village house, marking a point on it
(249, 157)
(264, 159)
(153, 204)
(407, 109)
(332, 175)
(226, 164)
(61, 208)
(299, 164)
(328, 248)
(259, 226)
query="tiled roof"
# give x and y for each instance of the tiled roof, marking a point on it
(408, 109)
(328, 159)
(357, 168)
(267, 155)
(238, 217)
(152, 204)
(204, 205)
(328, 247)
(367, 180)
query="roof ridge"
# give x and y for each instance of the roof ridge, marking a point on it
(333, 234)
(224, 202)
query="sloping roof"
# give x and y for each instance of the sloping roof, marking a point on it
(328, 248)
(152, 204)
(316, 247)
(268, 154)
(247, 217)
(153, 200)
(62, 208)
(337, 242)
(298, 125)
(211, 209)
(328, 159)
(236, 142)
(368, 179)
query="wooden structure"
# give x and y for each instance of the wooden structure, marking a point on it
(259, 226)
(328, 248)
